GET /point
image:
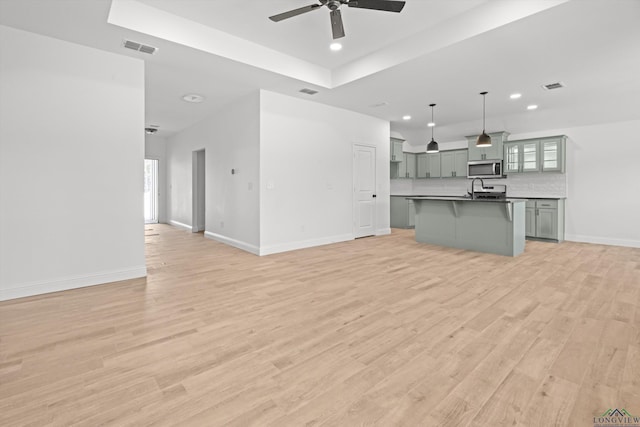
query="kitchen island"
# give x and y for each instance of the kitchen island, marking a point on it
(485, 225)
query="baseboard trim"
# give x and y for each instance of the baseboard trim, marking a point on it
(292, 246)
(180, 225)
(232, 242)
(72, 282)
(603, 240)
(383, 231)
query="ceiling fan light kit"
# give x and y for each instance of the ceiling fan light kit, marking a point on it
(337, 27)
(484, 140)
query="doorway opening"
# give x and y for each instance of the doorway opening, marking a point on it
(150, 191)
(198, 191)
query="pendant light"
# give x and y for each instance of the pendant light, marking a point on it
(484, 140)
(432, 147)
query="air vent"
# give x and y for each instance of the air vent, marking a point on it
(309, 91)
(552, 86)
(380, 104)
(139, 47)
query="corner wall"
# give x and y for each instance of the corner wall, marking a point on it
(231, 140)
(306, 172)
(71, 165)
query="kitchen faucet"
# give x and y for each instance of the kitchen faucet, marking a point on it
(473, 194)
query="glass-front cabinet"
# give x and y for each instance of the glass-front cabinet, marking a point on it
(521, 157)
(552, 151)
(535, 155)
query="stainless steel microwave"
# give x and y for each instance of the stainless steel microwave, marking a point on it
(484, 169)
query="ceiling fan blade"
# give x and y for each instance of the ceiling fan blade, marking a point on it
(336, 24)
(294, 12)
(385, 5)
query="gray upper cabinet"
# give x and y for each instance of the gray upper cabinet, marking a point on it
(410, 161)
(422, 165)
(428, 165)
(453, 164)
(407, 167)
(521, 156)
(396, 150)
(494, 152)
(552, 154)
(535, 155)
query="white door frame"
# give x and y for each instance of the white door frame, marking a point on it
(155, 197)
(195, 191)
(354, 195)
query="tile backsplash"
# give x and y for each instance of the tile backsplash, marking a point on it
(518, 185)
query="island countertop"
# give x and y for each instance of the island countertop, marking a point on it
(465, 199)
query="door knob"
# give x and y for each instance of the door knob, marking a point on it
(375, 195)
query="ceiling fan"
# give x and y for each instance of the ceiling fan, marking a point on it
(336, 18)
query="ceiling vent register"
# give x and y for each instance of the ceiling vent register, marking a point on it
(309, 91)
(552, 86)
(139, 47)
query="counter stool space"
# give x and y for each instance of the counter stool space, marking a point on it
(494, 226)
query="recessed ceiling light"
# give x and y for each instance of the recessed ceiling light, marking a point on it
(515, 95)
(406, 117)
(431, 124)
(531, 107)
(335, 47)
(192, 97)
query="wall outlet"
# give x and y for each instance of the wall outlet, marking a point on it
(250, 186)
(221, 224)
(270, 185)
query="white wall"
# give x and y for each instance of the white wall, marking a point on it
(601, 182)
(603, 204)
(306, 172)
(71, 165)
(231, 140)
(155, 148)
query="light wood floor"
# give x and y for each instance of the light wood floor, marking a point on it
(378, 331)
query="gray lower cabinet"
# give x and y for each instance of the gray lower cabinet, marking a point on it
(544, 219)
(403, 212)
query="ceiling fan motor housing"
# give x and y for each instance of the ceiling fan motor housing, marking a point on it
(334, 4)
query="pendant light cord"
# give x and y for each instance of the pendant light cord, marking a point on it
(434, 125)
(484, 108)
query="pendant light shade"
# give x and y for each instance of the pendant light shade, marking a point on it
(432, 147)
(484, 140)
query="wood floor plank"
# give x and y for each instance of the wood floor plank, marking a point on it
(379, 331)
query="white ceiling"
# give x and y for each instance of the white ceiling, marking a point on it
(435, 51)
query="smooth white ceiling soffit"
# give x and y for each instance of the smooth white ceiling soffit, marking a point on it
(476, 17)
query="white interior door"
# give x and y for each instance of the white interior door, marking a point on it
(364, 190)
(150, 191)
